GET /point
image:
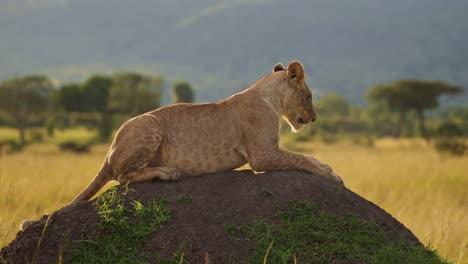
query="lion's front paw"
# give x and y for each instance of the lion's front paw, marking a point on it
(170, 174)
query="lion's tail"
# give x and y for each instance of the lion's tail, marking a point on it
(104, 176)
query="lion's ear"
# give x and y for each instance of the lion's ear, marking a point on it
(278, 67)
(296, 70)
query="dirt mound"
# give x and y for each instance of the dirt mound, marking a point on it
(217, 200)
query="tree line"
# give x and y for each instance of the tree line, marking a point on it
(34, 100)
(393, 109)
(402, 108)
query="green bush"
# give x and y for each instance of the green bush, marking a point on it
(366, 141)
(302, 137)
(75, 146)
(452, 146)
(182, 92)
(448, 129)
(11, 145)
(328, 138)
(36, 136)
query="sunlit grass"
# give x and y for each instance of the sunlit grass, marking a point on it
(304, 233)
(39, 180)
(425, 191)
(8, 133)
(78, 134)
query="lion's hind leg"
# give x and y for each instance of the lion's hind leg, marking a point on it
(134, 167)
(137, 145)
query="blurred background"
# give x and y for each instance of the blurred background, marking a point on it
(389, 80)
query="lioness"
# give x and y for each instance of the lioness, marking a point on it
(195, 139)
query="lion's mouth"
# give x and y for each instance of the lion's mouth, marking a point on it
(300, 120)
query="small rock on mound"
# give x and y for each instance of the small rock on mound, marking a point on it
(218, 199)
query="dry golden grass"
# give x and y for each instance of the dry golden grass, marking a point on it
(425, 191)
(39, 180)
(8, 133)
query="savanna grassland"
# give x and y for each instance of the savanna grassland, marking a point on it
(424, 190)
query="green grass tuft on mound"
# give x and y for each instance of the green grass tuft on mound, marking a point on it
(122, 232)
(304, 234)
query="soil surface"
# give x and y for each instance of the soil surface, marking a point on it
(219, 199)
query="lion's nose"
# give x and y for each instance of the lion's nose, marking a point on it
(313, 117)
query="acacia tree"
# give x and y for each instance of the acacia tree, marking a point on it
(182, 92)
(25, 97)
(391, 98)
(412, 95)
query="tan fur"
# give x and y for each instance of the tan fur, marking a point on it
(195, 139)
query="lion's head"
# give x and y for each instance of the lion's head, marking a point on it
(297, 100)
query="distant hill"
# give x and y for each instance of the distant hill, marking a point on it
(222, 46)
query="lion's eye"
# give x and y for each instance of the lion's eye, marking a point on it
(309, 99)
